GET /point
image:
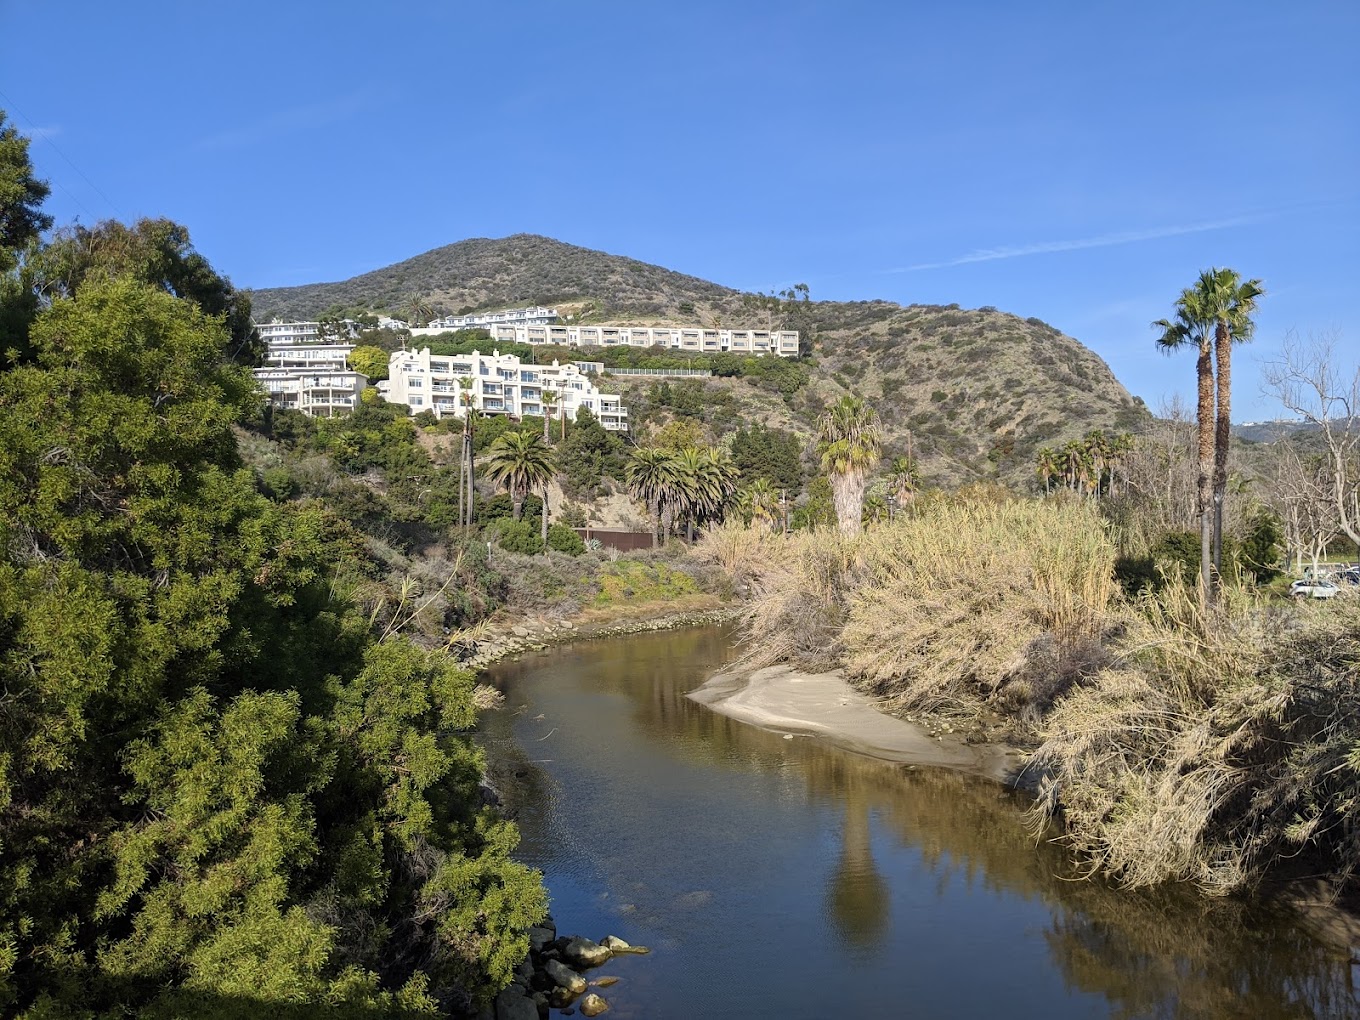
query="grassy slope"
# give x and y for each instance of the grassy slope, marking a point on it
(973, 393)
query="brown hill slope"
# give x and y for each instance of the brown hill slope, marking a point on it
(973, 393)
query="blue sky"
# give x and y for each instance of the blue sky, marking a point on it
(1078, 162)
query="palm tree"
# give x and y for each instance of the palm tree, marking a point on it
(1120, 448)
(704, 484)
(902, 479)
(1188, 327)
(1076, 464)
(1225, 300)
(851, 442)
(1047, 467)
(419, 309)
(651, 478)
(1099, 453)
(549, 406)
(520, 461)
(759, 502)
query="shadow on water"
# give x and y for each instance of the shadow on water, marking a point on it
(647, 809)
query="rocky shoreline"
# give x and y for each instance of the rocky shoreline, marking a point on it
(553, 976)
(534, 635)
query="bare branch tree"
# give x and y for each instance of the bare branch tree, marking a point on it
(1308, 381)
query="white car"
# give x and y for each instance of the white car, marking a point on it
(1313, 589)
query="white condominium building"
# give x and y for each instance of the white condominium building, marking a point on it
(514, 317)
(783, 342)
(307, 375)
(494, 383)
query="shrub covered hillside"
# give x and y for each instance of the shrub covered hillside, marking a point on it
(221, 793)
(969, 394)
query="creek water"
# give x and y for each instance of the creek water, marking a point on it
(776, 877)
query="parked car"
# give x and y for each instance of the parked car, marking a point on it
(1311, 589)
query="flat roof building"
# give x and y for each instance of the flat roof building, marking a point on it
(494, 383)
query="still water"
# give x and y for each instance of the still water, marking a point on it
(784, 878)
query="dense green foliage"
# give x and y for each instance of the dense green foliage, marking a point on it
(221, 792)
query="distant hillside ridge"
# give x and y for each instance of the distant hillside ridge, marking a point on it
(972, 393)
(484, 274)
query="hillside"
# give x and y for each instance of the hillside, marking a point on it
(482, 273)
(973, 393)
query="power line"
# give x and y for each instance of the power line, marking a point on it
(94, 187)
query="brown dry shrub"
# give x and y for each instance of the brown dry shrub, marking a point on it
(961, 602)
(1220, 744)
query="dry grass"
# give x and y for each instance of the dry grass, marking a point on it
(960, 604)
(1215, 748)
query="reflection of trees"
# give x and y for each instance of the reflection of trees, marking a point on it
(857, 895)
(1166, 953)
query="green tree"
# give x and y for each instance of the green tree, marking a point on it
(21, 197)
(851, 442)
(216, 785)
(520, 461)
(1187, 329)
(651, 477)
(156, 252)
(371, 361)
(1210, 315)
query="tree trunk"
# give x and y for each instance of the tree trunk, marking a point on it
(517, 504)
(545, 520)
(656, 521)
(1204, 369)
(1222, 434)
(847, 492)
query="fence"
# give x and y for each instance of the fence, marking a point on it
(623, 541)
(600, 368)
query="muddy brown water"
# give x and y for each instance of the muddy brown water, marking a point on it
(787, 878)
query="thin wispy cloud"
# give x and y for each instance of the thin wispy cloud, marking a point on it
(290, 121)
(1100, 241)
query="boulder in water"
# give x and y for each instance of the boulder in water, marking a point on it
(581, 952)
(564, 977)
(593, 1005)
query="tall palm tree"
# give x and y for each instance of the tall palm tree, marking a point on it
(549, 406)
(1120, 448)
(851, 443)
(520, 461)
(1187, 329)
(651, 478)
(1228, 302)
(705, 483)
(1076, 464)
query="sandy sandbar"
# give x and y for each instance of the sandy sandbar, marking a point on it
(785, 700)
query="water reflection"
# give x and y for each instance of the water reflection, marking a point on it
(652, 811)
(857, 894)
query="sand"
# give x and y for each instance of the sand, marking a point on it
(824, 705)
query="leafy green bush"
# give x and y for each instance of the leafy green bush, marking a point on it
(518, 537)
(564, 540)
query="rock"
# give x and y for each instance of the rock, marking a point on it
(512, 1005)
(525, 970)
(581, 952)
(564, 977)
(615, 944)
(539, 937)
(567, 625)
(560, 998)
(593, 1005)
(519, 631)
(604, 982)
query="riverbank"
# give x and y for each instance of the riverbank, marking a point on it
(798, 703)
(511, 636)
